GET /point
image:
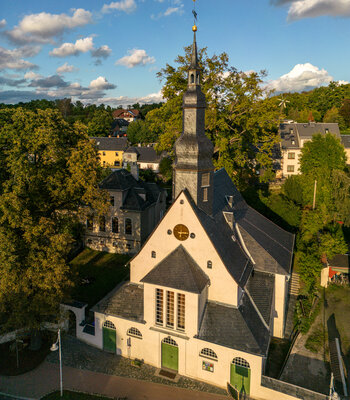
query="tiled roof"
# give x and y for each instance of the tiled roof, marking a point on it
(133, 113)
(261, 286)
(270, 246)
(111, 143)
(125, 301)
(178, 271)
(237, 328)
(139, 196)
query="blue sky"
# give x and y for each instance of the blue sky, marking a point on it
(100, 51)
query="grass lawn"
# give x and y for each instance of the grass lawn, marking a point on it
(68, 395)
(96, 273)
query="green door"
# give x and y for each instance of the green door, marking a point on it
(109, 339)
(170, 356)
(240, 379)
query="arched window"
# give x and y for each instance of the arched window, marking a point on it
(208, 353)
(102, 222)
(154, 254)
(192, 78)
(128, 226)
(169, 340)
(134, 332)
(115, 225)
(109, 324)
(241, 362)
(209, 264)
(198, 79)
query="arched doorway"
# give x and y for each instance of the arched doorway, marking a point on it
(109, 337)
(72, 323)
(240, 376)
(170, 354)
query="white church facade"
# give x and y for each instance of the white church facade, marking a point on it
(209, 287)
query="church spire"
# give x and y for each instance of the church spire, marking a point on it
(193, 166)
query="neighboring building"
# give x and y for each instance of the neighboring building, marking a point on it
(119, 128)
(128, 115)
(209, 287)
(293, 136)
(336, 270)
(345, 139)
(136, 208)
(111, 150)
(145, 157)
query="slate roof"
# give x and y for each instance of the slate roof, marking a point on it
(178, 271)
(270, 246)
(260, 287)
(345, 139)
(340, 261)
(111, 143)
(146, 154)
(139, 196)
(304, 131)
(238, 328)
(124, 301)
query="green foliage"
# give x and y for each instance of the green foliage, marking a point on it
(166, 168)
(100, 123)
(49, 172)
(333, 116)
(138, 132)
(293, 190)
(306, 310)
(317, 339)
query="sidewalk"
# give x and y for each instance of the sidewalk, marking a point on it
(45, 379)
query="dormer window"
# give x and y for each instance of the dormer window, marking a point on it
(205, 179)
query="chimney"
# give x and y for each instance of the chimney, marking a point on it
(229, 200)
(134, 170)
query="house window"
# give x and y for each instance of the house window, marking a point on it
(117, 163)
(115, 225)
(116, 154)
(208, 353)
(192, 78)
(128, 226)
(291, 156)
(293, 141)
(241, 362)
(90, 223)
(102, 223)
(109, 324)
(104, 163)
(209, 264)
(153, 254)
(169, 340)
(181, 311)
(112, 201)
(290, 168)
(134, 332)
(327, 130)
(159, 306)
(170, 309)
(206, 179)
(103, 153)
(205, 194)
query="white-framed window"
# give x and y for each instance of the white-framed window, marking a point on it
(291, 156)
(134, 332)
(170, 309)
(109, 324)
(208, 353)
(205, 179)
(181, 311)
(241, 362)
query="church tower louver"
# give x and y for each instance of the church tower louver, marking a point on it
(193, 167)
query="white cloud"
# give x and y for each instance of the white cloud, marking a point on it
(42, 27)
(65, 68)
(135, 57)
(341, 82)
(101, 52)
(301, 77)
(73, 49)
(31, 75)
(315, 8)
(169, 11)
(125, 100)
(101, 83)
(13, 59)
(2, 23)
(127, 6)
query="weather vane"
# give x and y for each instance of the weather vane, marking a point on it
(194, 28)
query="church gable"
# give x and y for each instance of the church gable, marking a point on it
(182, 226)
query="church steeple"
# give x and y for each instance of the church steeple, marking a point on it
(193, 167)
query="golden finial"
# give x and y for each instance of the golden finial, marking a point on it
(194, 28)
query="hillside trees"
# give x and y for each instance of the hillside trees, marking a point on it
(48, 176)
(241, 119)
(100, 123)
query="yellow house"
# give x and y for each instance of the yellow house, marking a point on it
(111, 150)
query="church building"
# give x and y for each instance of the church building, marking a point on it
(208, 289)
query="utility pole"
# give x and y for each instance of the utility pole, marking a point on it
(314, 203)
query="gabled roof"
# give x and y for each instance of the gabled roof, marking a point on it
(270, 246)
(111, 143)
(178, 271)
(124, 301)
(345, 139)
(139, 194)
(133, 113)
(238, 328)
(146, 154)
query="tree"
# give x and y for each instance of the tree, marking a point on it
(241, 119)
(49, 173)
(100, 124)
(345, 112)
(333, 116)
(138, 132)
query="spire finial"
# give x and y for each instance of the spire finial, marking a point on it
(194, 27)
(194, 57)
